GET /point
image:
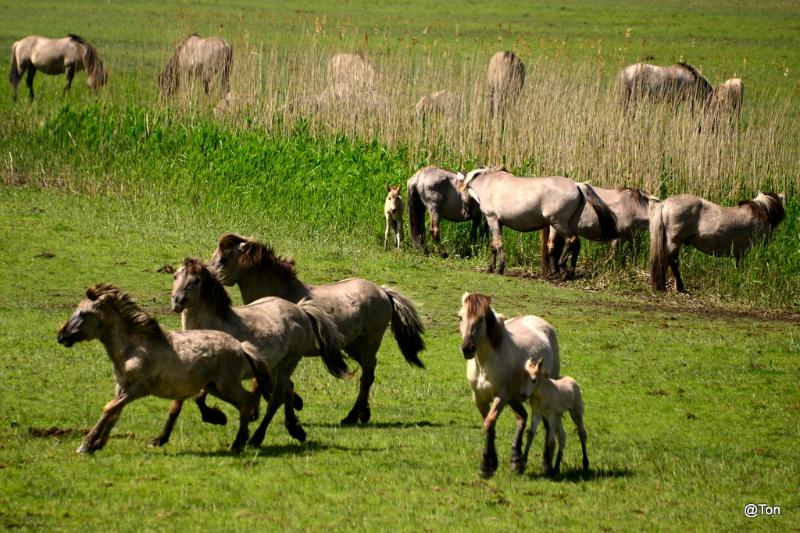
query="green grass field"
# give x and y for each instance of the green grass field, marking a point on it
(692, 407)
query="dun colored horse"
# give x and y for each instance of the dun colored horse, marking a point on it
(393, 212)
(360, 309)
(711, 228)
(150, 361)
(437, 190)
(531, 204)
(209, 58)
(676, 83)
(68, 55)
(280, 331)
(496, 350)
(505, 78)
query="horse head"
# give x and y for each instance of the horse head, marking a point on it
(195, 283)
(478, 321)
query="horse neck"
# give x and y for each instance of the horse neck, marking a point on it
(204, 316)
(117, 339)
(485, 352)
(259, 284)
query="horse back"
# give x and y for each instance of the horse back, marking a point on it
(359, 308)
(535, 338)
(529, 204)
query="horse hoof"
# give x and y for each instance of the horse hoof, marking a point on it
(485, 474)
(158, 442)
(349, 420)
(237, 447)
(215, 416)
(364, 415)
(297, 403)
(297, 433)
(83, 448)
(518, 467)
(443, 255)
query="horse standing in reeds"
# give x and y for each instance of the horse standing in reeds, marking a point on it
(209, 58)
(360, 309)
(437, 103)
(68, 55)
(631, 209)
(437, 190)
(280, 331)
(150, 361)
(531, 204)
(496, 351)
(352, 83)
(393, 213)
(726, 102)
(505, 78)
(676, 83)
(711, 228)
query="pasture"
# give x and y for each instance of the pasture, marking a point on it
(692, 405)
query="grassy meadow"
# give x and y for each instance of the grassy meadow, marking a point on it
(692, 406)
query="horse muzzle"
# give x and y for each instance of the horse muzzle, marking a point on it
(68, 339)
(468, 350)
(178, 304)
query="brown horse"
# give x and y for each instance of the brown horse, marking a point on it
(360, 309)
(55, 56)
(676, 83)
(711, 228)
(505, 78)
(150, 361)
(631, 208)
(209, 58)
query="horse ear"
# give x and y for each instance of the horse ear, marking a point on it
(460, 176)
(543, 371)
(243, 246)
(782, 198)
(91, 294)
(388, 187)
(464, 297)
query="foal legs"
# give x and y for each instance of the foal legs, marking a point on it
(578, 419)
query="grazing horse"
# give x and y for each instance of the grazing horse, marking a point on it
(676, 83)
(631, 208)
(360, 309)
(726, 102)
(531, 204)
(505, 78)
(55, 56)
(496, 350)
(209, 58)
(711, 228)
(552, 398)
(150, 361)
(441, 103)
(437, 190)
(280, 331)
(393, 212)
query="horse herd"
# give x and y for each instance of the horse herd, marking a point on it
(566, 210)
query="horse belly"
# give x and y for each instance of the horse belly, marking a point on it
(49, 62)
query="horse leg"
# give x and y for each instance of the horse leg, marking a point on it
(210, 415)
(573, 248)
(530, 434)
(497, 245)
(70, 75)
(174, 411)
(281, 383)
(578, 419)
(386, 233)
(562, 439)
(436, 235)
(29, 80)
(366, 357)
(675, 266)
(552, 429)
(291, 422)
(98, 435)
(517, 462)
(399, 230)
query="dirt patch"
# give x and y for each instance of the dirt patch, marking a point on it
(166, 269)
(55, 431)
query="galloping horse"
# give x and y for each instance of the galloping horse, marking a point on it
(531, 204)
(55, 56)
(436, 190)
(676, 83)
(631, 208)
(711, 228)
(281, 332)
(360, 309)
(150, 361)
(496, 351)
(210, 58)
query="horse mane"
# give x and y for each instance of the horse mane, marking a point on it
(769, 209)
(211, 290)
(706, 85)
(257, 256)
(638, 195)
(471, 175)
(123, 304)
(480, 306)
(90, 58)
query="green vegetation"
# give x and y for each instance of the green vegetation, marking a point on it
(692, 401)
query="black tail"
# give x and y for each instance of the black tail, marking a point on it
(608, 222)
(416, 215)
(329, 340)
(407, 327)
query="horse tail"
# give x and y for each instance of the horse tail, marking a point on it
(416, 214)
(658, 249)
(14, 74)
(227, 64)
(328, 338)
(407, 327)
(168, 78)
(250, 353)
(608, 222)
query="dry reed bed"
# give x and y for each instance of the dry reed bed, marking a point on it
(567, 121)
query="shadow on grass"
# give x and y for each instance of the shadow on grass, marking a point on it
(380, 425)
(281, 450)
(578, 474)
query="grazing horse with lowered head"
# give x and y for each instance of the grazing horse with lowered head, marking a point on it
(676, 83)
(496, 350)
(726, 103)
(393, 212)
(150, 361)
(438, 103)
(531, 204)
(711, 228)
(55, 56)
(280, 331)
(505, 78)
(360, 309)
(209, 58)
(437, 190)
(631, 208)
